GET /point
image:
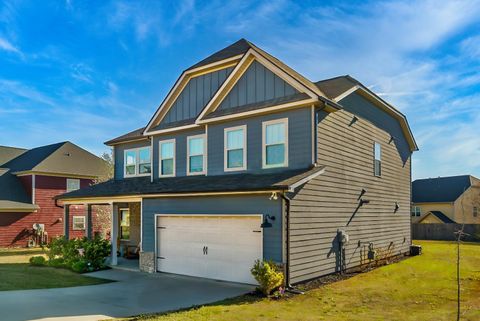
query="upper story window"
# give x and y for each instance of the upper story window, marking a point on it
(73, 184)
(196, 155)
(275, 143)
(475, 211)
(167, 158)
(137, 162)
(377, 164)
(235, 155)
(416, 211)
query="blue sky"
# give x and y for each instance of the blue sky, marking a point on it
(90, 71)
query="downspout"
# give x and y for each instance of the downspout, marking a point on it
(151, 159)
(287, 239)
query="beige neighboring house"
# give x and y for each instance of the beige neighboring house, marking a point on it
(454, 199)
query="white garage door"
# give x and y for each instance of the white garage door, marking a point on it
(209, 246)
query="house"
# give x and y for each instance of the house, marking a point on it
(453, 199)
(247, 159)
(30, 178)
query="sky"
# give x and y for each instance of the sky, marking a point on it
(90, 71)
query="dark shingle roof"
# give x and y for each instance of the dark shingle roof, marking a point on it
(31, 158)
(238, 48)
(194, 184)
(442, 217)
(133, 135)
(441, 189)
(336, 86)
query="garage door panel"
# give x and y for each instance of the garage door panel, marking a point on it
(233, 242)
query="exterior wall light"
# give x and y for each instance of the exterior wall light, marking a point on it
(266, 223)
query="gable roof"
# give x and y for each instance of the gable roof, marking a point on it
(440, 189)
(239, 47)
(340, 87)
(198, 184)
(60, 158)
(442, 217)
(9, 153)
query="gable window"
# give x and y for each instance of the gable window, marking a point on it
(73, 184)
(137, 162)
(196, 155)
(377, 164)
(416, 211)
(475, 211)
(275, 143)
(167, 158)
(125, 224)
(78, 223)
(235, 156)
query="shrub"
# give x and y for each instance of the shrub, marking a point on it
(268, 276)
(79, 255)
(38, 261)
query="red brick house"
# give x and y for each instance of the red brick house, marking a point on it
(29, 180)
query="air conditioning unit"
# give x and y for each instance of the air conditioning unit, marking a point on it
(415, 250)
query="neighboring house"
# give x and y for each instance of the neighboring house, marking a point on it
(246, 159)
(29, 180)
(454, 199)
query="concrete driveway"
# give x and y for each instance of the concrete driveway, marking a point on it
(133, 293)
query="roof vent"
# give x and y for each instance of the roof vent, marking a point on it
(66, 154)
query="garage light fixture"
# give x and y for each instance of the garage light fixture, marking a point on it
(266, 223)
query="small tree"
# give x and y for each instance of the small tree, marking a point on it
(268, 276)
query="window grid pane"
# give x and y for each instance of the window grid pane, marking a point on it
(275, 134)
(167, 166)
(166, 150)
(235, 158)
(275, 154)
(235, 139)
(196, 146)
(196, 164)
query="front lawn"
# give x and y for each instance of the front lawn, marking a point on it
(17, 274)
(418, 288)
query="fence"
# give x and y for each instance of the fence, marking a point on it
(445, 232)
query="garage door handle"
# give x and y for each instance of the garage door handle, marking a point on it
(205, 250)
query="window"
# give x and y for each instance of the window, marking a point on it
(416, 211)
(235, 156)
(78, 223)
(475, 211)
(137, 162)
(167, 158)
(275, 143)
(195, 155)
(73, 184)
(377, 165)
(124, 224)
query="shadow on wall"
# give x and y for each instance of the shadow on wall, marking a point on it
(7, 219)
(23, 235)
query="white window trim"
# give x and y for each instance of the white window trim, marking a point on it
(73, 223)
(72, 179)
(137, 162)
(264, 146)
(166, 141)
(204, 155)
(374, 159)
(415, 212)
(225, 150)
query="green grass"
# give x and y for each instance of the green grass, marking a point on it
(418, 288)
(17, 274)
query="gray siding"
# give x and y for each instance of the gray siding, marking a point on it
(180, 150)
(118, 151)
(257, 84)
(360, 106)
(196, 95)
(328, 202)
(245, 204)
(299, 137)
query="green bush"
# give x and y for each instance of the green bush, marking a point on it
(268, 276)
(80, 255)
(38, 261)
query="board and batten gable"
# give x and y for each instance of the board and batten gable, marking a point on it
(256, 85)
(299, 141)
(217, 205)
(118, 155)
(330, 202)
(196, 94)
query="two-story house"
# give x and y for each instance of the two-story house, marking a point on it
(247, 159)
(29, 181)
(444, 200)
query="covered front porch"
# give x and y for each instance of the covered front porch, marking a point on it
(125, 229)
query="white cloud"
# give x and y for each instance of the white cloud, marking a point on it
(9, 47)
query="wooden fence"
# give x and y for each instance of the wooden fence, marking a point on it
(445, 232)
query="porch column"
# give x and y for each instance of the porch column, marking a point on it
(66, 221)
(114, 234)
(88, 221)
